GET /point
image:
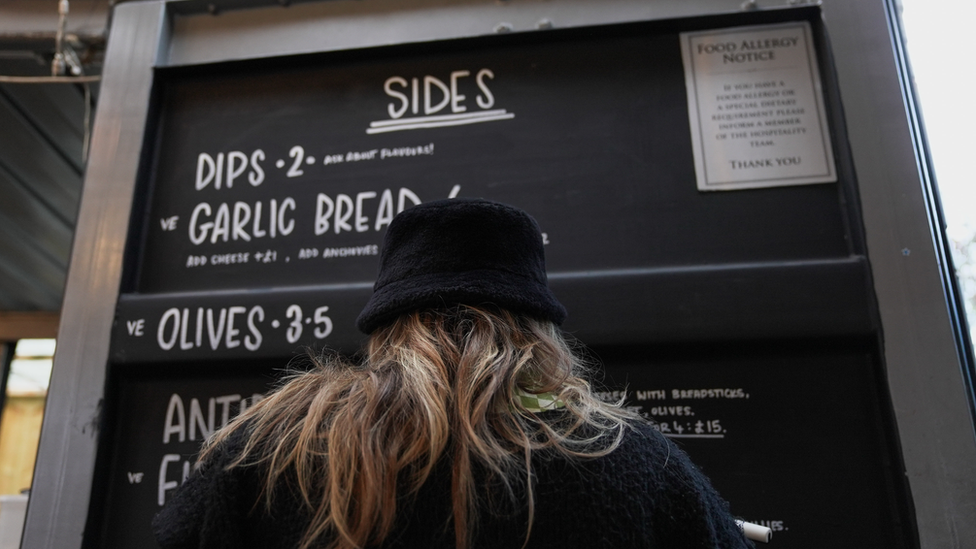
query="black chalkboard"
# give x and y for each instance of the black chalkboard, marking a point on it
(597, 147)
(790, 432)
(744, 318)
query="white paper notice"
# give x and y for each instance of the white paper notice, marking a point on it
(756, 108)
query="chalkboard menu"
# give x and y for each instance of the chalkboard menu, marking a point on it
(285, 177)
(741, 322)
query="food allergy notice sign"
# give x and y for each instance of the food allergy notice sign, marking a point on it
(755, 107)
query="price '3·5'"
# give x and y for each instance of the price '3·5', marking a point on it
(235, 326)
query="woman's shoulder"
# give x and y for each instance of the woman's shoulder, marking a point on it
(644, 439)
(644, 493)
(640, 452)
(655, 464)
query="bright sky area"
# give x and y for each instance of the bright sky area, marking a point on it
(938, 33)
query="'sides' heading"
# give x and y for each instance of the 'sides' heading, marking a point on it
(427, 97)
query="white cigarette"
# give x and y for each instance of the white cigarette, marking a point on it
(755, 532)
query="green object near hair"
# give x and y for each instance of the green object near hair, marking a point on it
(540, 402)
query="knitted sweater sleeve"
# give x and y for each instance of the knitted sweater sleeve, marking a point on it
(689, 512)
(645, 494)
(207, 511)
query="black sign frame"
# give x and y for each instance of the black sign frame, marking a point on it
(841, 307)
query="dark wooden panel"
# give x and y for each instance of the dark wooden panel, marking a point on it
(23, 292)
(24, 217)
(29, 158)
(56, 111)
(40, 182)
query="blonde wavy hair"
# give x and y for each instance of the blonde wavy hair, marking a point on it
(354, 438)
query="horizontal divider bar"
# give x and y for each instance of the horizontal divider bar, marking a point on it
(720, 302)
(633, 306)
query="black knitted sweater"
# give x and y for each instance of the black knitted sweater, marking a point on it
(645, 494)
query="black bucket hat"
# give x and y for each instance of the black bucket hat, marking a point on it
(461, 251)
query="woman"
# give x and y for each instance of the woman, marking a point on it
(468, 423)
